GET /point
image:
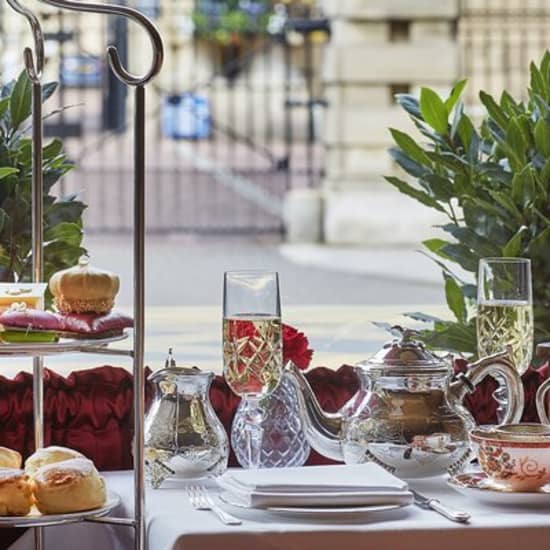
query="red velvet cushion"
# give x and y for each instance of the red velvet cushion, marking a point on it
(32, 319)
(80, 323)
(91, 323)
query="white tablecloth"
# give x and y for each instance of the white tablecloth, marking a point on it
(173, 525)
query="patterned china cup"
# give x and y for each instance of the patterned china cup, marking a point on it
(515, 457)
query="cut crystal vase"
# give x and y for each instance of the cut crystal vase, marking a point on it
(284, 441)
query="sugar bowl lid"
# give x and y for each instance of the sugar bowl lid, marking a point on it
(405, 355)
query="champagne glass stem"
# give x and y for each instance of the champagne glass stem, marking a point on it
(254, 432)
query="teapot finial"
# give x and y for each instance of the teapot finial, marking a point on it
(170, 361)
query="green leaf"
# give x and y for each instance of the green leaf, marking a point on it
(69, 233)
(417, 194)
(465, 130)
(494, 110)
(407, 163)
(48, 90)
(538, 84)
(410, 104)
(52, 149)
(441, 188)
(455, 337)
(436, 246)
(410, 147)
(422, 317)
(4, 105)
(542, 137)
(462, 255)
(517, 145)
(433, 110)
(6, 171)
(455, 299)
(3, 219)
(20, 100)
(477, 243)
(455, 94)
(513, 247)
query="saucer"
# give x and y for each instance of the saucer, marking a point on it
(478, 486)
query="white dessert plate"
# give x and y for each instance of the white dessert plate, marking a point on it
(479, 487)
(36, 519)
(314, 512)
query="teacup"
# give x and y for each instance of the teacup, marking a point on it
(524, 429)
(516, 460)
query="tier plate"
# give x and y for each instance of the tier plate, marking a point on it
(64, 345)
(36, 519)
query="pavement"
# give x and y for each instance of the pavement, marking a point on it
(188, 271)
(332, 294)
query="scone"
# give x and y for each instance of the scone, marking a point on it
(49, 455)
(10, 458)
(68, 486)
(15, 492)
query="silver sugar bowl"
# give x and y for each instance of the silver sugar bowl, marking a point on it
(183, 436)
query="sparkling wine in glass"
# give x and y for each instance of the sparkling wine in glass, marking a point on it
(505, 313)
(252, 345)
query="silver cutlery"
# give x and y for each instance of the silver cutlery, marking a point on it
(201, 499)
(434, 504)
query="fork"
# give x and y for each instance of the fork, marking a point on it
(201, 500)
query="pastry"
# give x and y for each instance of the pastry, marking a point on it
(68, 486)
(10, 458)
(29, 294)
(15, 492)
(49, 455)
(84, 289)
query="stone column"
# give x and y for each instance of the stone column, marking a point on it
(378, 48)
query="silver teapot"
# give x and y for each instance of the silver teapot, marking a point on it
(183, 436)
(408, 414)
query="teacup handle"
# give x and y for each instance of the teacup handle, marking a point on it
(540, 399)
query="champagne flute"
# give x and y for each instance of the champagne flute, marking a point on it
(252, 345)
(505, 313)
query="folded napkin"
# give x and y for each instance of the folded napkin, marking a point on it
(358, 484)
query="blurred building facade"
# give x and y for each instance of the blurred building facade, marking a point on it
(279, 131)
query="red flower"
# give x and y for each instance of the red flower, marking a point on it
(295, 347)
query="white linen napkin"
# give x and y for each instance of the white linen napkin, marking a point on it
(315, 486)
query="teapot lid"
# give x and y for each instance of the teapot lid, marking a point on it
(170, 368)
(405, 355)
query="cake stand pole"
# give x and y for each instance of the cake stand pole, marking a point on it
(34, 65)
(138, 82)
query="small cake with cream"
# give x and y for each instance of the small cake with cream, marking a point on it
(68, 486)
(15, 492)
(49, 455)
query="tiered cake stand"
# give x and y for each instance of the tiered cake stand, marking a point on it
(34, 63)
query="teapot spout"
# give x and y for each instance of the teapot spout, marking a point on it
(323, 430)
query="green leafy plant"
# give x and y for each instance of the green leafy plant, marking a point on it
(227, 21)
(62, 215)
(492, 182)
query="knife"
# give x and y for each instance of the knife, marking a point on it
(434, 504)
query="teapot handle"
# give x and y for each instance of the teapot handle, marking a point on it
(540, 399)
(501, 364)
